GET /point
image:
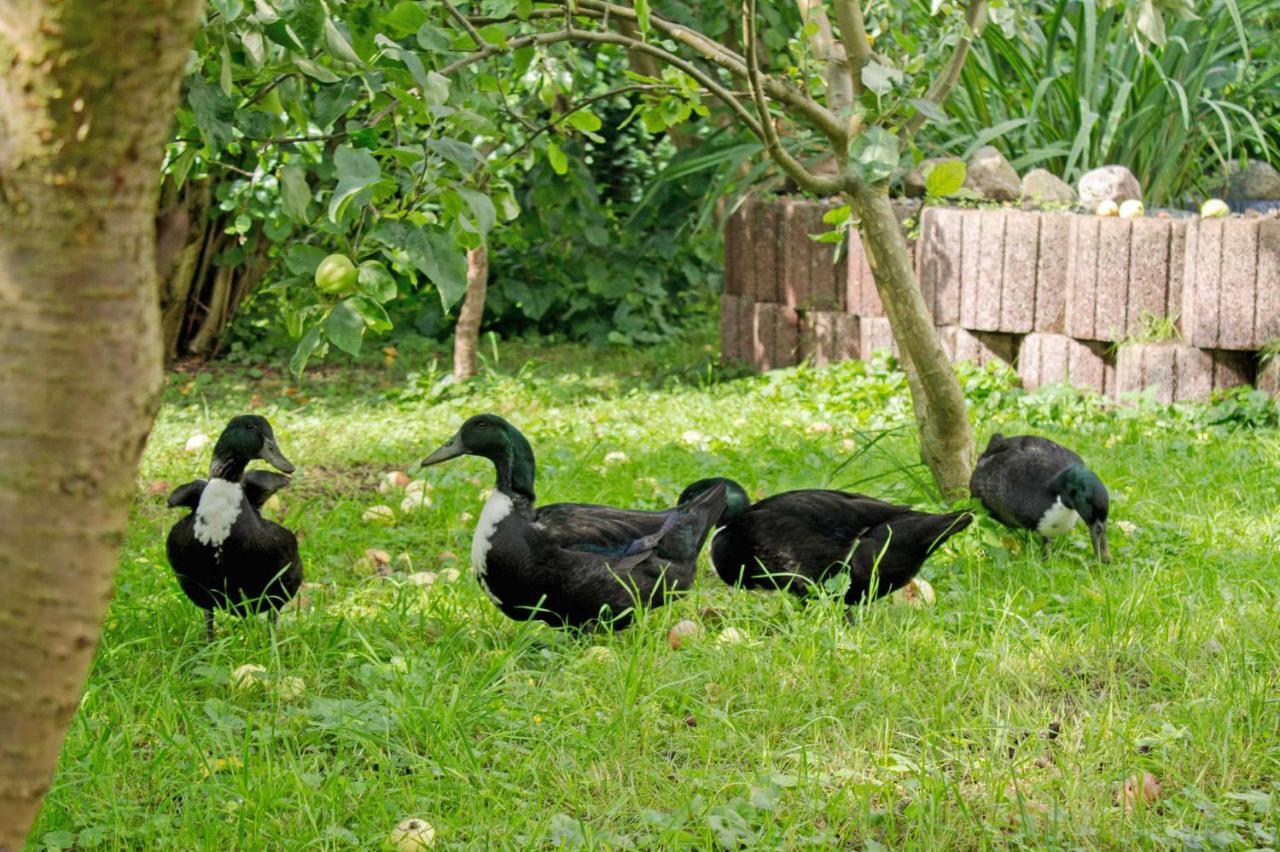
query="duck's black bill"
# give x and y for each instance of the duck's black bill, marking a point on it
(271, 455)
(451, 450)
(1098, 532)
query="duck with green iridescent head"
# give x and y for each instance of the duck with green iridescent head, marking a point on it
(224, 553)
(1031, 483)
(572, 564)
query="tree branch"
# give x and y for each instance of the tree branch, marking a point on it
(942, 86)
(806, 179)
(465, 23)
(828, 51)
(536, 131)
(853, 33)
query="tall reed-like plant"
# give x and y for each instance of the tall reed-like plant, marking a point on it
(1070, 89)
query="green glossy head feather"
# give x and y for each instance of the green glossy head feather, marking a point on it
(1082, 490)
(736, 499)
(247, 437)
(491, 437)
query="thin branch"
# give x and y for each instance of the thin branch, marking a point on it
(580, 105)
(830, 52)
(942, 86)
(465, 22)
(809, 181)
(853, 32)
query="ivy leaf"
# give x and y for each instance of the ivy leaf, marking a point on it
(944, 178)
(376, 282)
(881, 78)
(337, 45)
(213, 110)
(306, 346)
(873, 153)
(559, 162)
(585, 120)
(295, 193)
(357, 170)
(481, 208)
(345, 327)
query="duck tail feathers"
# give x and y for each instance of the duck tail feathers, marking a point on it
(924, 531)
(690, 523)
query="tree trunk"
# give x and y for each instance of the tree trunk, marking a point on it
(466, 334)
(946, 439)
(86, 100)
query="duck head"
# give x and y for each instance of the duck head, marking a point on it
(491, 437)
(1082, 490)
(736, 500)
(246, 438)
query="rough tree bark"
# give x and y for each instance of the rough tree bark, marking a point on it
(466, 334)
(87, 95)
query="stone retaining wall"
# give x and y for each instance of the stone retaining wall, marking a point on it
(1058, 295)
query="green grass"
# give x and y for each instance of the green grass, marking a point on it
(902, 727)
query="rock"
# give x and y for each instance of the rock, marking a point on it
(1041, 186)
(990, 175)
(913, 183)
(1258, 181)
(1109, 183)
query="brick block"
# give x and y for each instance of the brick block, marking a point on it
(854, 263)
(731, 348)
(793, 245)
(848, 342)
(737, 245)
(1082, 275)
(1193, 378)
(1267, 376)
(978, 347)
(1172, 371)
(1238, 295)
(786, 337)
(1112, 294)
(1055, 358)
(1018, 288)
(1148, 272)
(867, 297)
(1182, 249)
(1051, 271)
(1267, 311)
(874, 333)
(970, 263)
(990, 281)
(938, 256)
(1232, 369)
(827, 279)
(1201, 291)
(764, 242)
(828, 336)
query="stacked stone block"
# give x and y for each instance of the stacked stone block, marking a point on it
(1064, 298)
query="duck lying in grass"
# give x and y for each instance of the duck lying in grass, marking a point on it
(1032, 483)
(799, 539)
(224, 553)
(571, 564)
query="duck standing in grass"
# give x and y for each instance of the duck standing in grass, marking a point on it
(572, 564)
(799, 539)
(224, 553)
(1028, 482)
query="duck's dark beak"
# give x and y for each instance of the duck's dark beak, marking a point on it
(451, 450)
(271, 454)
(1098, 532)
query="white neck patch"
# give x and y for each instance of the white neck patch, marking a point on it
(497, 507)
(219, 507)
(1057, 520)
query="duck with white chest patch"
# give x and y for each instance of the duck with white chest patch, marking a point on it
(1028, 482)
(572, 564)
(224, 553)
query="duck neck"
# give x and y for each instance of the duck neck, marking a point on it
(227, 468)
(516, 469)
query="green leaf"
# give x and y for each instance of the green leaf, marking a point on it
(881, 78)
(224, 75)
(295, 193)
(302, 259)
(282, 34)
(460, 154)
(306, 18)
(432, 252)
(481, 208)
(559, 162)
(228, 9)
(332, 102)
(345, 327)
(873, 153)
(436, 89)
(642, 15)
(376, 282)
(337, 45)
(434, 39)
(306, 346)
(524, 8)
(945, 178)
(213, 110)
(929, 109)
(255, 48)
(357, 170)
(374, 316)
(315, 70)
(508, 206)
(405, 17)
(264, 12)
(585, 120)
(181, 166)
(838, 216)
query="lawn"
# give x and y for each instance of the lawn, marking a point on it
(1011, 712)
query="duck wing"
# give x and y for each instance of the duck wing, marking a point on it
(259, 485)
(599, 529)
(188, 495)
(1012, 477)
